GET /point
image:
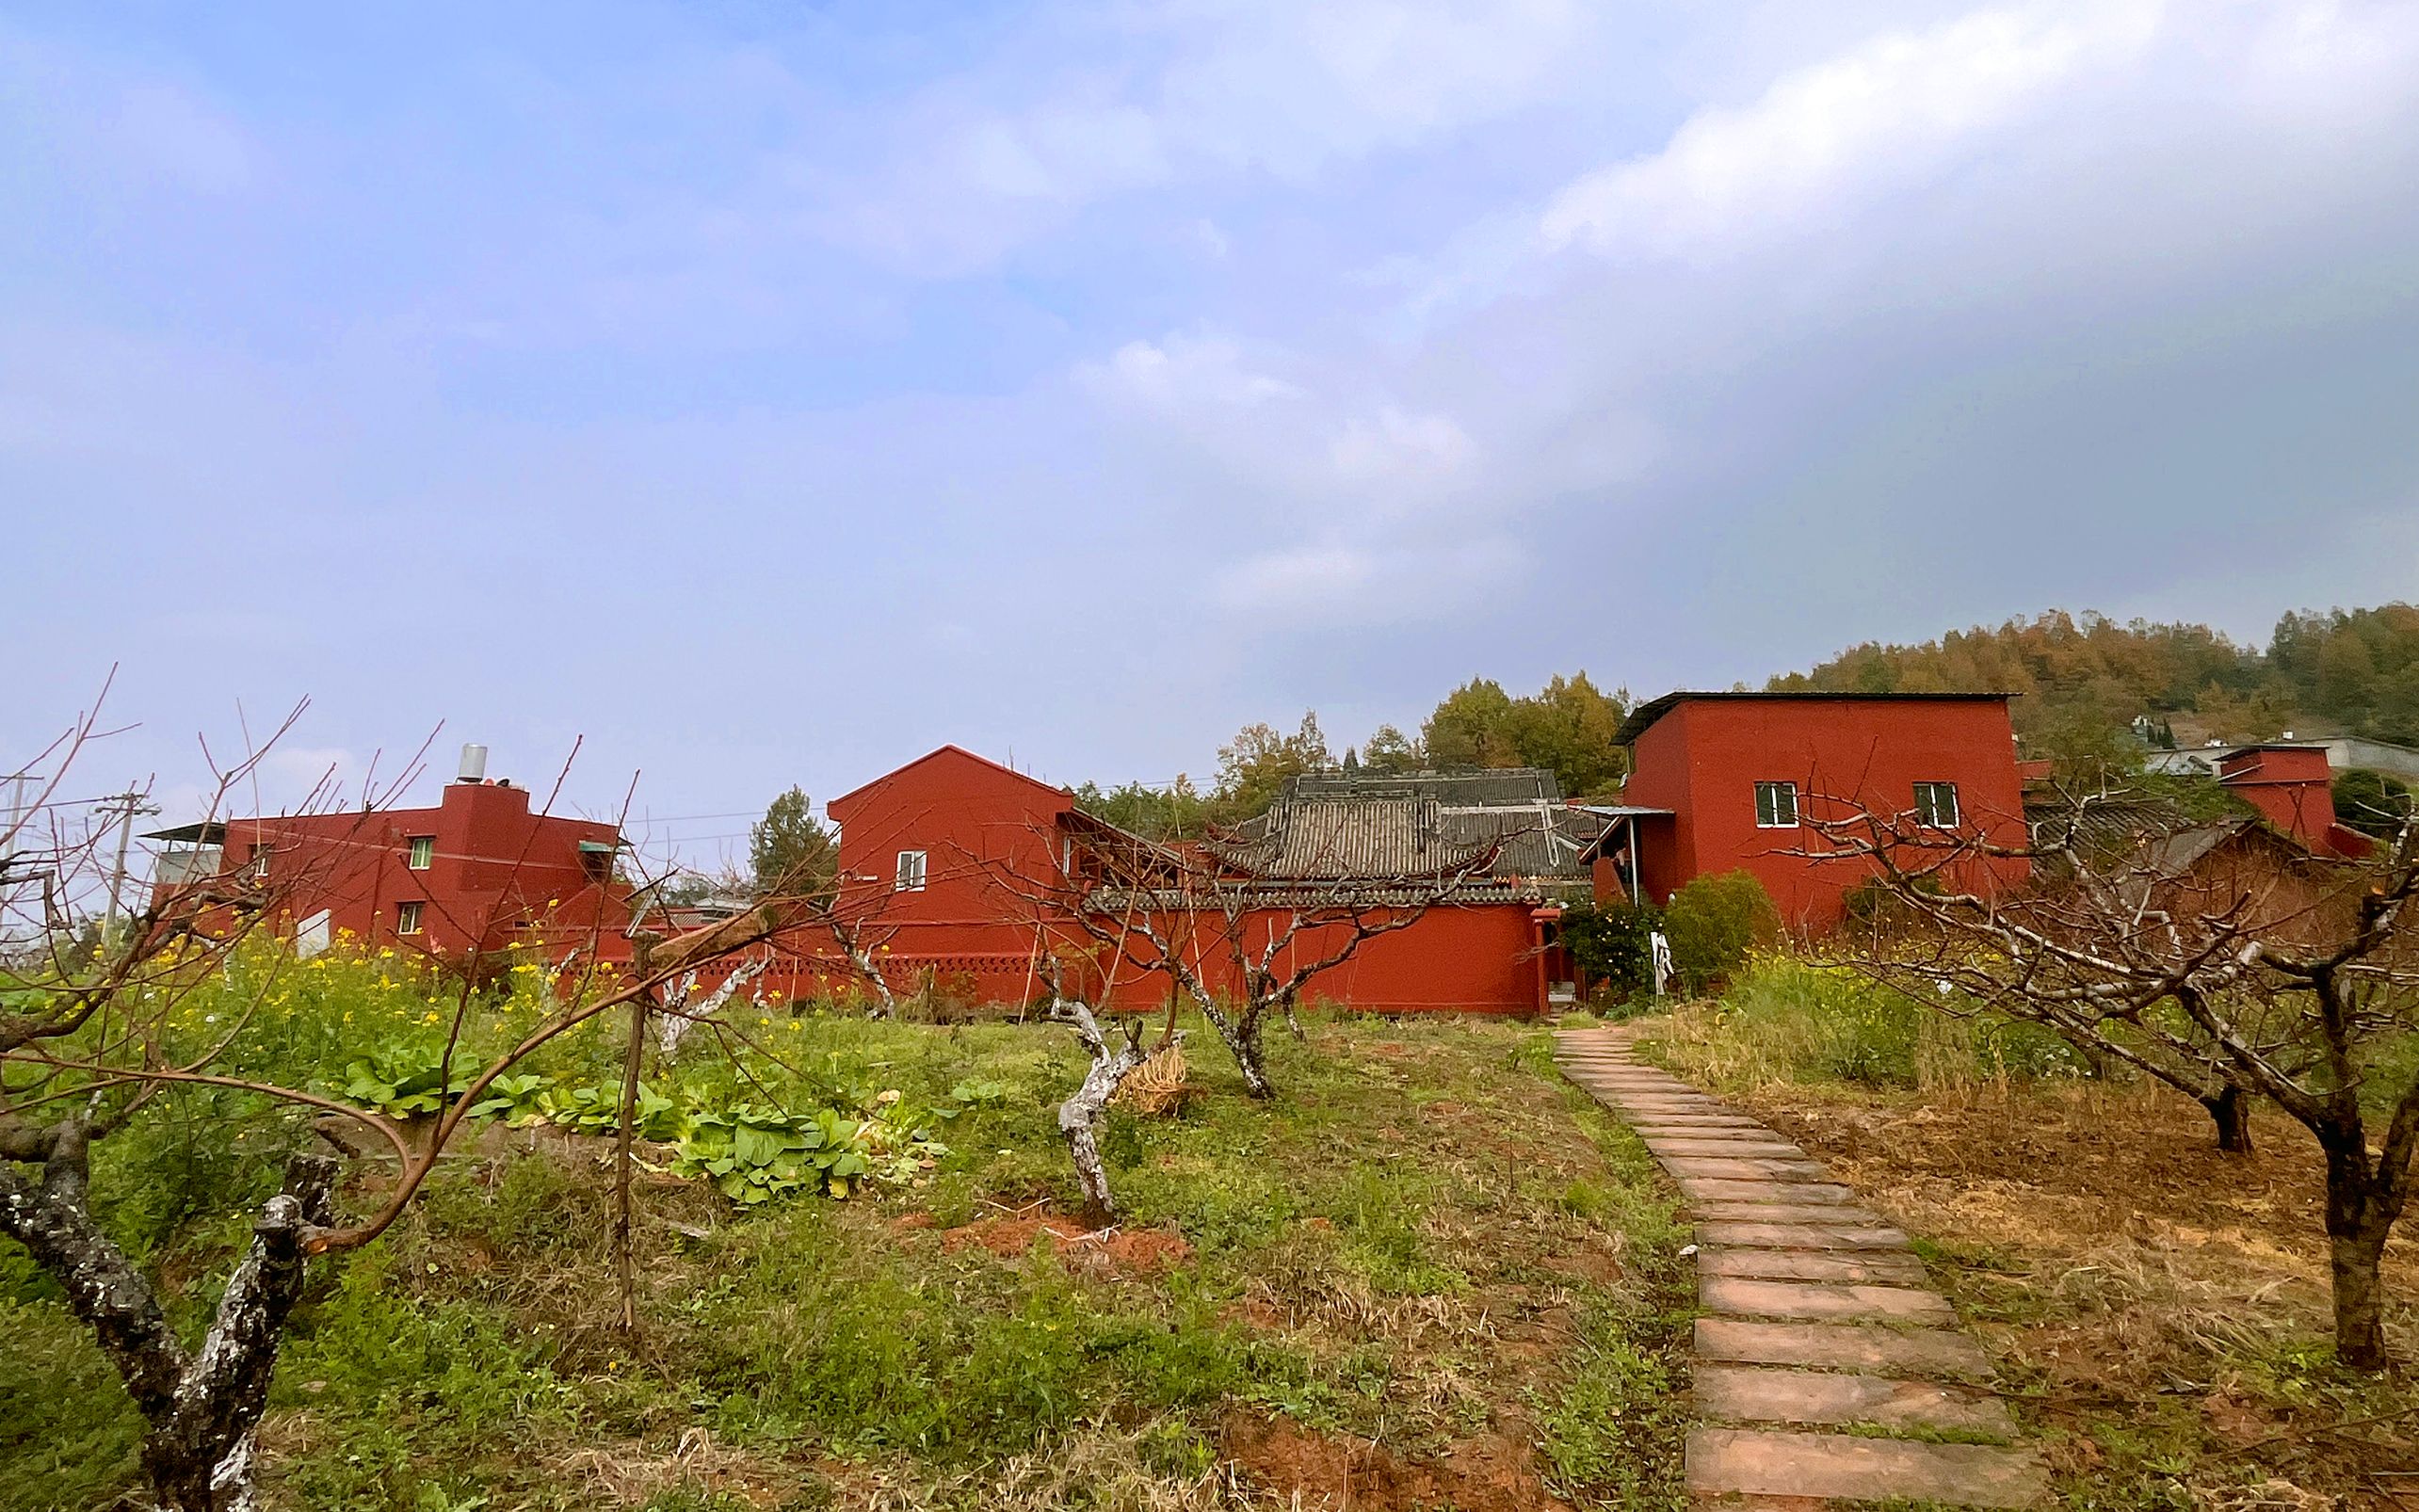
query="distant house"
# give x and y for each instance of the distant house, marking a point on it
(2158, 857)
(2343, 753)
(1741, 781)
(478, 873)
(2291, 785)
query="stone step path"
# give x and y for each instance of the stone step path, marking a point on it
(1826, 1369)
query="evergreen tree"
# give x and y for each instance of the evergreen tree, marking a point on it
(789, 851)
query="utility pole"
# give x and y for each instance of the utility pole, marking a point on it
(9, 846)
(129, 804)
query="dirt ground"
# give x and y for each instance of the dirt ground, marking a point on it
(1329, 1473)
(2158, 1306)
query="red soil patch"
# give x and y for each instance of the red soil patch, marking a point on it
(1491, 1473)
(1127, 1251)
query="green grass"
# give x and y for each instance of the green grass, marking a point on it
(1358, 1250)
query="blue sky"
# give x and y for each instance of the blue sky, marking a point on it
(769, 393)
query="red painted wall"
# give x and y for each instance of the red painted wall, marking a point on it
(1703, 758)
(501, 876)
(2292, 787)
(980, 824)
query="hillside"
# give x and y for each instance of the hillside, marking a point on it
(2351, 671)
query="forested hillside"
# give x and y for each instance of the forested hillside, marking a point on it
(2084, 678)
(2354, 671)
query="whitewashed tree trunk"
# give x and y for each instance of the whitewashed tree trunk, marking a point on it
(1113, 1061)
(673, 1022)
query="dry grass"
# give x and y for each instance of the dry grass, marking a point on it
(2159, 1308)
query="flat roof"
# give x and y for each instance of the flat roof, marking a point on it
(1648, 713)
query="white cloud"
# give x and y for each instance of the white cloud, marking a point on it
(992, 158)
(1899, 108)
(134, 126)
(1395, 448)
(1181, 372)
(1328, 584)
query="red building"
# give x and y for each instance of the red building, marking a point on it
(1730, 781)
(950, 866)
(478, 873)
(2292, 787)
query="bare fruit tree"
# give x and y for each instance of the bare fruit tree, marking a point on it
(91, 1042)
(1241, 944)
(2216, 956)
(1114, 1057)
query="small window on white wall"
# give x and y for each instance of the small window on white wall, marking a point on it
(910, 872)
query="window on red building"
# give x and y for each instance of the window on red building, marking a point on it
(407, 918)
(910, 872)
(423, 853)
(1776, 805)
(1936, 805)
(596, 860)
(260, 859)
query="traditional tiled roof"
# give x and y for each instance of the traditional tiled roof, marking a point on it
(2145, 835)
(1363, 825)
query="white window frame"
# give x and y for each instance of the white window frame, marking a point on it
(1932, 820)
(419, 852)
(913, 866)
(260, 861)
(1778, 790)
(408, 916)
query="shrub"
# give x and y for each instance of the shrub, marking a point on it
(2372, 802)
(1712, 923)
(1614, 945)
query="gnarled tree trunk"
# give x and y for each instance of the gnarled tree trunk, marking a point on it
(203, 1409)
(1079, 1115)
(2361, 1210)
(2230, 1109)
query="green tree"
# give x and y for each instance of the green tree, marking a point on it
(1712, 923)
(1472, 727)
(2372, 802)
(789, 851)
(1254, 766)
(1614, 945)
(1389, 751)
(1176, 812)
(1568, 728)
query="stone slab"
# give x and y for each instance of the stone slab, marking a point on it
(1760, 1394)
(1882, 1266)
(1843, 1346)
(1768, 1463)
(1798, 1236)
(1744, 1145)
(1821, 1301)
(1699, 1190)
(1825, 1213)
(1756, 1168)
